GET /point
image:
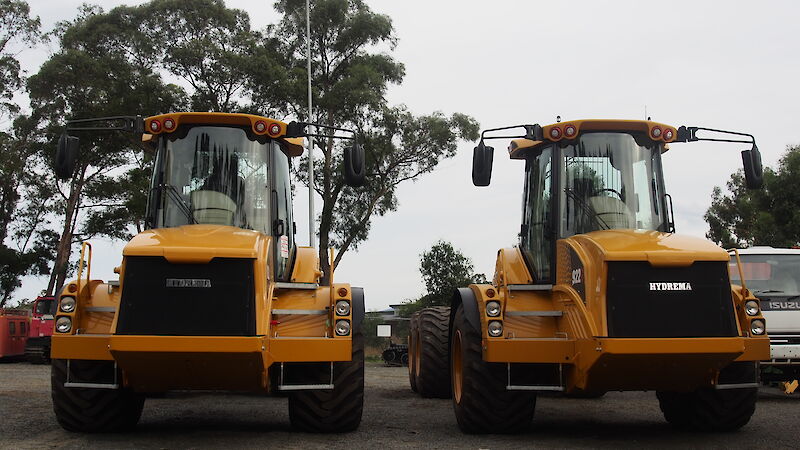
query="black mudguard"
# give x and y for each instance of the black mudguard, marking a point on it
(465, 296)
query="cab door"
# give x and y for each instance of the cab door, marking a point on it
(282, 222)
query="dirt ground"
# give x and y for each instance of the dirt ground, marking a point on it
(393, 417)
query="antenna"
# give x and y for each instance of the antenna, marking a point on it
(312, 232)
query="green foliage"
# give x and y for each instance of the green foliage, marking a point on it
(16, 27)
(443, 270)
(768, 216)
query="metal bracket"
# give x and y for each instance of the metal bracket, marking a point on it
(535, 388)
(304, 387)
(282, 285)
(535, 313)
(530, 287)
(70, 384)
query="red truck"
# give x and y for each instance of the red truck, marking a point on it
(37, 348)
(14, 324)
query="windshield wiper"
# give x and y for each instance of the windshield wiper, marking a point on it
(767, 291)
(182, 206)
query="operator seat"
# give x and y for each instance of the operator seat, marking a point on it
(212, 207)
(612, 211)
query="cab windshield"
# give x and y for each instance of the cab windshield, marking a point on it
(768, 274)
(611, 180)
(46, 307)
(212, 175)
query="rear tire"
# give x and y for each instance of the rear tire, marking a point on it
(337, 410)
(708, 409)
(413, 338)
(480, 399)
(433, 372)
(88, 410)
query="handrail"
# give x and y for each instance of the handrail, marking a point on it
(84, 245)
(745, 292)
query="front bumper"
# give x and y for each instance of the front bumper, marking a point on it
(784, 355)
(601, 364)
(160, 363)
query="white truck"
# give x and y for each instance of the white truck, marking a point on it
(773, 275)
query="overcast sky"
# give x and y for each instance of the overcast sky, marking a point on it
(733, 65)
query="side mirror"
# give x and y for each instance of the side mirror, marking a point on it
(753, 170)
(66, 156)
(355, 166)
(482, 158)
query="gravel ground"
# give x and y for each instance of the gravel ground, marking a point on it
(393, 417)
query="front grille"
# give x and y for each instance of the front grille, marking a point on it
(636, 308)
(161, 298)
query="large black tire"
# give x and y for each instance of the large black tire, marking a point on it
(708, 409)
(413, 338)
(337, 410)
(433, 370)
(480, 399)
(89, 410)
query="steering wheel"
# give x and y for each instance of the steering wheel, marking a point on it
(613, 191)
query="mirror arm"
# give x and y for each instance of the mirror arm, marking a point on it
(132, 124)
(296, 129)
(532, 132)
(689, 134)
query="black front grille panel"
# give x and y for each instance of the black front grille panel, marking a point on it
(638, 309)
(161, 298)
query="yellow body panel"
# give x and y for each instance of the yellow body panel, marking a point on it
(571, 327)
(293, 324)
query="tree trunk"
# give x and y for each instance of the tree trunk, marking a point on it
(64, 249)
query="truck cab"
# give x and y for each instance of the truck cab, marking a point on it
(773, 275)
(37, 348)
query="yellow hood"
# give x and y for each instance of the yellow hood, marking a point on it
(660, 249)
(197, 243)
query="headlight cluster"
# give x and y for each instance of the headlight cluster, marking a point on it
(68, 304)
(758, 327)
(342, 327)
(493, 308)
(342, 308)
(495, 328)
(751, 307)
(63, 324)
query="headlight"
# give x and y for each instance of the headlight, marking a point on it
(342, 327)
(342, 308)
(495, 328)
(758, 326)
(67, 304)
(493, 309)
(63, 324)
(751, 307)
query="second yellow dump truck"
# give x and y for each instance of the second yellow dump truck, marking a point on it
(600, 294)
(214, 295)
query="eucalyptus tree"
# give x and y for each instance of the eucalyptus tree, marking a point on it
(350, 78)
(97, 72)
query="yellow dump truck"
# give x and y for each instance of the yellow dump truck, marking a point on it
(214, 295)
(600, 294)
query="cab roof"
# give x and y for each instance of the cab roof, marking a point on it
(571, 129)
(276, 129)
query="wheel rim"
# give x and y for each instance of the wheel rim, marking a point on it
(457, 366)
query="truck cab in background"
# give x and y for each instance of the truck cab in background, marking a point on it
(37, 348)
(773, 275)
